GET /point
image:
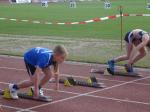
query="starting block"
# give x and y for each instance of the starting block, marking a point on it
(6, 94)
(91, 82)
(121, 73)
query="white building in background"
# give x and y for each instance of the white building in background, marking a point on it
(20, 1)
(30, 1)
(37, 1)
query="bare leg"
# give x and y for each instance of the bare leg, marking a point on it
(140, 55)
(129, 48)
(44, 80)
(27, 83)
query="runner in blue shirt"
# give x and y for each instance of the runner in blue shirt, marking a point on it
(39, 60)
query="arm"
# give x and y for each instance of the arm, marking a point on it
(136, 49)
(56, 74)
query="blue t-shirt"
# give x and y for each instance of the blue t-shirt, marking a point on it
(38, 56)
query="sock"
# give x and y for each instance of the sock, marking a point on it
(15, 87)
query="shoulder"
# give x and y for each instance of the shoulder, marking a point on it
(44, 57)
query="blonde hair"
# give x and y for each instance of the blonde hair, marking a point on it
(60, 49)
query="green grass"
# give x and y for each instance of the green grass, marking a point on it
(60, 12)
(97, 50)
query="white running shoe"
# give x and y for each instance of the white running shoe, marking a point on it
(13, 92)
(41, 92)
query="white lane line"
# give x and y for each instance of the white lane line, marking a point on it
(95, 96)
(79, 63)
(69, 92)
(121, 100)
(75, 76)
(11, 107)
(84, 94)
(61, 91)
(15, 108)
(9, 68)
(83, 77)
(109, 98)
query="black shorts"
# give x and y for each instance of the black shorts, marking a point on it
(127, 37)
(30, 68)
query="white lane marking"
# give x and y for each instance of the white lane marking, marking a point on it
(84, 94)
(78, 94)
(16, 108)
(11, 107)
(122, 100)
(68, 92)
(61, 91)
(83, 77)
(95, 96)
(78, 63)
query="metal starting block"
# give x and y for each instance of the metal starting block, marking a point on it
(6, 95)
(121, 73)
(91, 82)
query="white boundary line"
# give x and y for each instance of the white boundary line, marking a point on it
(109, 98)
(121, 100)
(85, 94)
(77, 63)
(7, 83)
(117, 85)
(11, 107)
(69, 92)
(75, 76)
(83, 77)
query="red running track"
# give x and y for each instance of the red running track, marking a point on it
(122, 94)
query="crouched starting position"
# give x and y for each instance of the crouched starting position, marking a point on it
(136, 42)
(38, 60)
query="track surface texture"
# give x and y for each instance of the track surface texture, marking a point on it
(122, 94)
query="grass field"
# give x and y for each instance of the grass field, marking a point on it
(87, 42)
